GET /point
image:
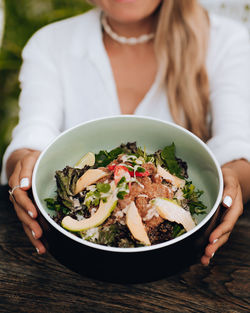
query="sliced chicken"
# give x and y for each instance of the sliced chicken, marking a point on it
(171, 211)
(89, 178)
(176, 181)
(135, 225)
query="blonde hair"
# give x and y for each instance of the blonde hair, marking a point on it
(181, 46)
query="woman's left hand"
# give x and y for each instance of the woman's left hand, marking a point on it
(233, 206)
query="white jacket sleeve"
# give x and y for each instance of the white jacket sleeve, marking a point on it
(230, 93)
(41, 102)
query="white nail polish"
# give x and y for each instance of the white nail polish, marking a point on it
(24, 182)
(33, 234)
(212, 255)
(228, 201)
(37, 250)
(215, 240)
(30, 214)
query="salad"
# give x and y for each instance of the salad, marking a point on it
(126, 197)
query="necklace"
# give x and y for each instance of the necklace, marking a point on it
(124, 40)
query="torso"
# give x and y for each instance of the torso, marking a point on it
(134, 69)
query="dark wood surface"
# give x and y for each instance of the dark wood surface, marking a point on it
(33, 283)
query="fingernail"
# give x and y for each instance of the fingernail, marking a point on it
(228, 201)
(30, 214)
(37, 250)
(33, 234)
(24, 182)
(215, 240)
(212, 255)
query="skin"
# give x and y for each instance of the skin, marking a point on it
(130, 18)
(236, 185)
(20, 165)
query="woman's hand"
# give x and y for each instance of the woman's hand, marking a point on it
(233, 206)
(23, 162)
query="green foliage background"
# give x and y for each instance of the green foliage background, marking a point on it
(22, 19)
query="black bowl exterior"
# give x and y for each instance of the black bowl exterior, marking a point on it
(130, 267)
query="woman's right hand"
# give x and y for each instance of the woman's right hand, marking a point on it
(23, 162)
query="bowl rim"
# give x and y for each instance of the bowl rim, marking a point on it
(136, 249)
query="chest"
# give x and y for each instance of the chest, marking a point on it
(93, 87)
(134, 72)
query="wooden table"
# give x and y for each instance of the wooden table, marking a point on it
(33, 283)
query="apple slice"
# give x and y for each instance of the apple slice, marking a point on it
(103, 212)
(176, 181)
(89, 178)
(135, 225)
(171, 211)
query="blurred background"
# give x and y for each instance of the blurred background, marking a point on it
(19, 19)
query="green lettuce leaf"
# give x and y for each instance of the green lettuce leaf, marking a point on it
(103, 158)
(170, 161)
(192, 195)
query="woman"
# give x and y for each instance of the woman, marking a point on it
(180, 65)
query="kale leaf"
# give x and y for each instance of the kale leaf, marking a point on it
(116, 235)
(66, 182)
(129, 148)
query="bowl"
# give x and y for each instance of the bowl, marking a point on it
(127, 264)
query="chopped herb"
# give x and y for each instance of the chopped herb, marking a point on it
(50, 202)
(103, 187)
(121, 194)
(140, 170)
(92, 198)
(121, 181)
(130, 169)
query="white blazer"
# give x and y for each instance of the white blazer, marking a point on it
(66, 78)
